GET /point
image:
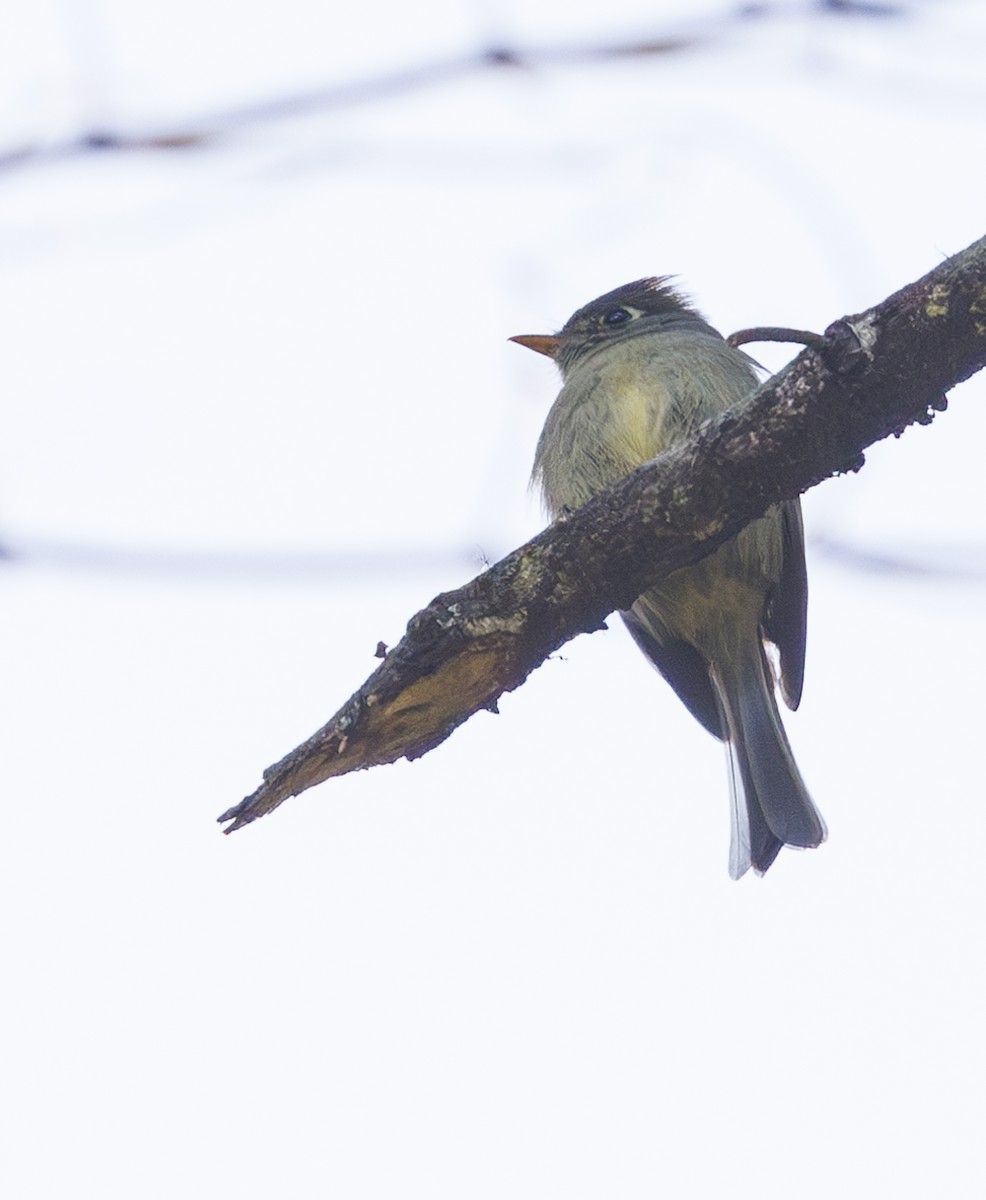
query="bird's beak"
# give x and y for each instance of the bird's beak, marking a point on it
(539, 342)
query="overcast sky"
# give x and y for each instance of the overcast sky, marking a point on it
(259, 408)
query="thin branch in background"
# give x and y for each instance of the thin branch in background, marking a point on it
(953, 564)
(208, 128)
(961, 562)
(179, 563)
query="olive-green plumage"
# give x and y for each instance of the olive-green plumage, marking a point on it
(641, 369)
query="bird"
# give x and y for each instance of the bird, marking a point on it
(641, 370)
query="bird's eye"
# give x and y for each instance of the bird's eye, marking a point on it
(616, 316)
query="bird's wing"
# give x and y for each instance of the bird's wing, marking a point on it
(681, 665)
(785, 615)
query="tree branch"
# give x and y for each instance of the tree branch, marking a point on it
(875, 374)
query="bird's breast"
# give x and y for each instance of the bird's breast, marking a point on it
(605, 423)
(628, 403)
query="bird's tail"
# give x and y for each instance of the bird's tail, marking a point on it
(770, 803)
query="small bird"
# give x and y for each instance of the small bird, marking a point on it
(642, 369)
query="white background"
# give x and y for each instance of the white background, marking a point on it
(258, 409)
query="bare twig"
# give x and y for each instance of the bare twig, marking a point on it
(777, 333)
